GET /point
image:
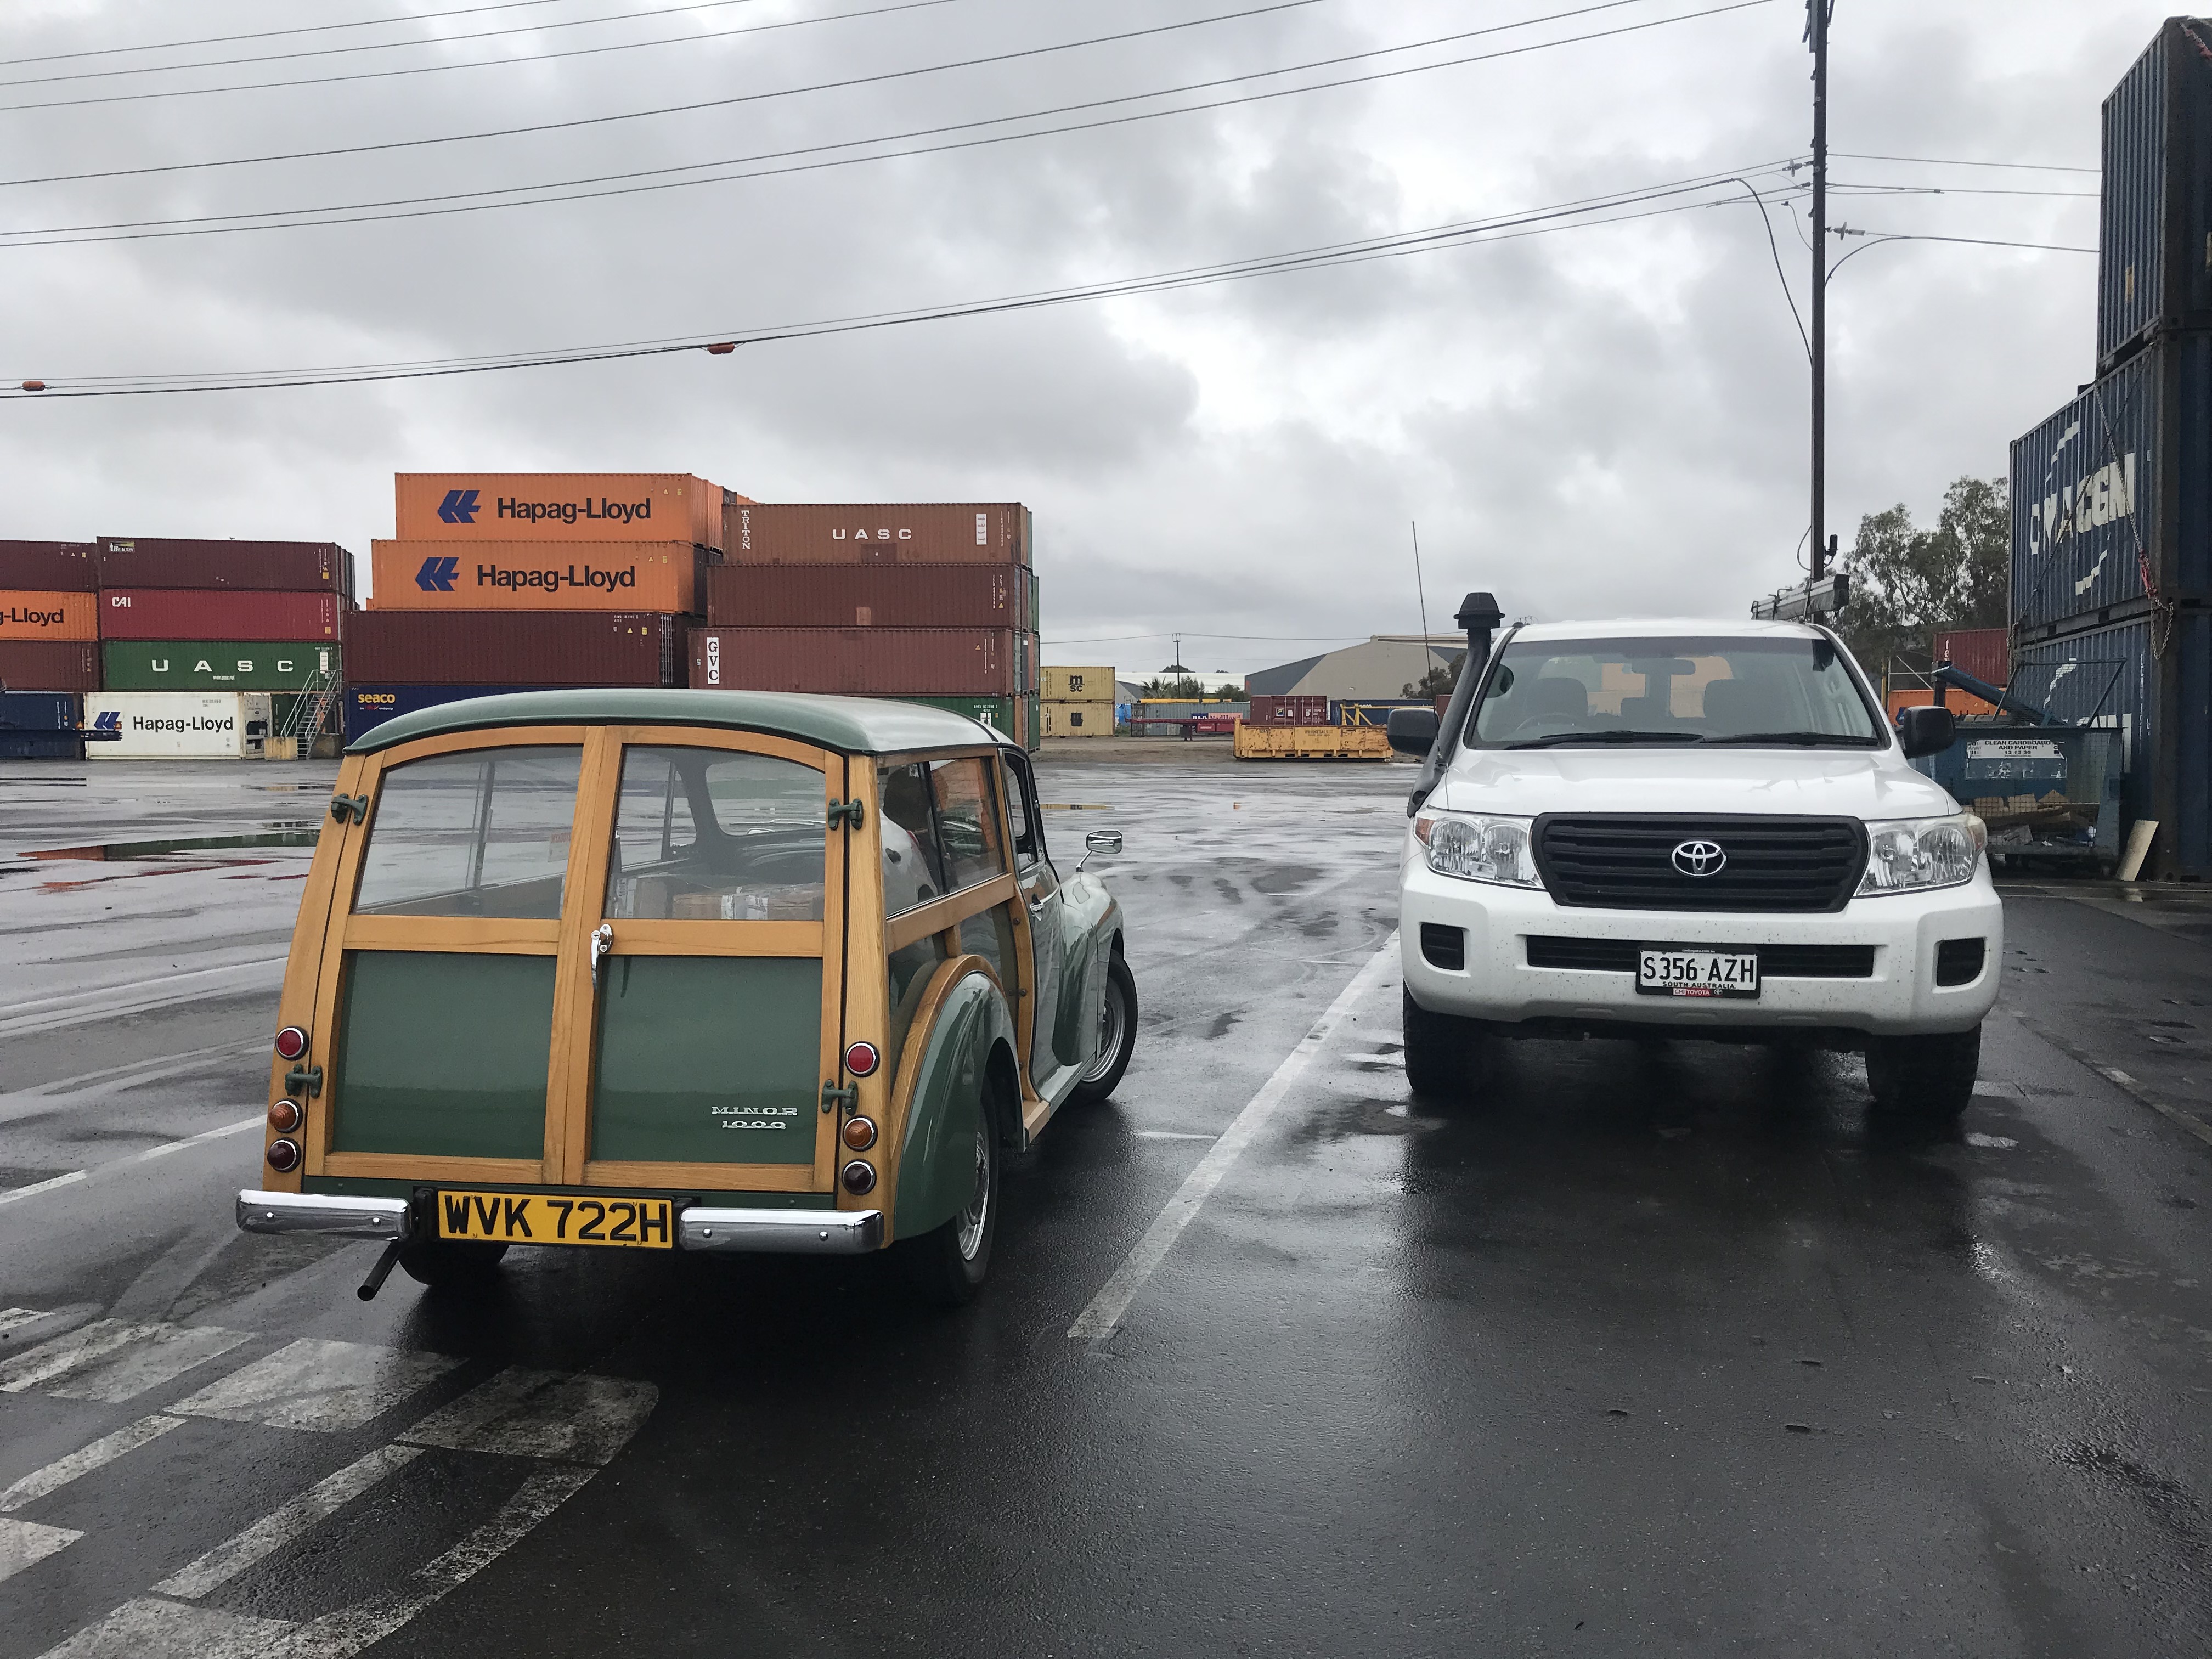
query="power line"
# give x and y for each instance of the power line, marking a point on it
(270, 34)
(1972, 241)
(1946, 161)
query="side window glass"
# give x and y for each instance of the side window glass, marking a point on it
(967, 821)
(1017, 811)
(991, 936)
(714, 835)
(912, 873)
(483, 833)
(910, 969)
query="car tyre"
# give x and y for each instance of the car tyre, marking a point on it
(1930, 1076)
(948, 1264)
(440, 1262)
(1447, 1058)
(1117, 1034)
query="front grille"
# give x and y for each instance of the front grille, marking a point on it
(1443, 947)
(1614, 955)
(1626, 862)
(1957, 961)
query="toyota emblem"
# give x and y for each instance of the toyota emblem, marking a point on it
(1699, 858)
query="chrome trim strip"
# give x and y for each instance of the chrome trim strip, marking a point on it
(321, 1212)
(790, 1232)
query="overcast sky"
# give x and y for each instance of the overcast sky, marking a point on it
(1596, 421)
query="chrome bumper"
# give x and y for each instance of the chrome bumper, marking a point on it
(318, 1212)
(790, 1232)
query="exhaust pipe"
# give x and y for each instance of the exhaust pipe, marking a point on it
(1480, 615)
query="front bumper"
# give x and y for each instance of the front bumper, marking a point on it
(1900, 998)
(713, 1231)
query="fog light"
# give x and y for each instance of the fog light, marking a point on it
(861, 1059)
(291, 1042)
(283, 1155)
(283, 1116)
(859, 1133)
(858, 1176)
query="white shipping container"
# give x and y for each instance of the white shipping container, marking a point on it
(178, 725)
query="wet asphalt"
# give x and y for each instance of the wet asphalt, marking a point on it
(1659, 1349)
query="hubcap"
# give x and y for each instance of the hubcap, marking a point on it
(979, 1204)
(1111, 1021)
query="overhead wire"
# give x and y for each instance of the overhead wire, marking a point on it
(270, 34)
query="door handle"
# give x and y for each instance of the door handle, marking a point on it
(603, 941)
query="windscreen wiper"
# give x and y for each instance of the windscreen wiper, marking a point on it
(1807, 739)
(1606, 737)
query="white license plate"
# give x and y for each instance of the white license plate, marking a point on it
(1696, 973)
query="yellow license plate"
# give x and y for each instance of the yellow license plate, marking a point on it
(637, 1224)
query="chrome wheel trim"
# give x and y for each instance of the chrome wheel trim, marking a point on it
(968, 1236)
(1112, 1019)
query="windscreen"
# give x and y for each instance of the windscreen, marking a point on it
(1776, 691)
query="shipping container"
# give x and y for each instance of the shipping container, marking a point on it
(1985, 653)
(50, 566)
(535, 575)
(48, 665)
(174, 561)
(178, 725)
(369, 706)
(215, 665)
(558, 507)
(498, 648)
(39, 711)
(1290, 710)
(2154, 221)
(1076, 684)
(756, 532)
(1010, 717)
(874, 595)
(1075, 719)
(218, 613)
(50, 615)
(894, 662)
(40, 745)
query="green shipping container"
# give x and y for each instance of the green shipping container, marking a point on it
(1018, 723)
(213, 664)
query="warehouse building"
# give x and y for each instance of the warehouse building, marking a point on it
(1381, 666)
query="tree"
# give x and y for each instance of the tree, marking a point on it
(1438, 681)
(1179, 688)
(1907, 582)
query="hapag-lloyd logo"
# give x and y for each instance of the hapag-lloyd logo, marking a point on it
(589, 577)
(24, 617)
(590, 509)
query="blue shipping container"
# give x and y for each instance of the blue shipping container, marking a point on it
(37, 711)
(40, 745)
(370, 706)
(2155, 262)
(2103, 677)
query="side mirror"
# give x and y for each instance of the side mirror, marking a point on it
(1412, 731)
(1926, 730)
(1107, 842)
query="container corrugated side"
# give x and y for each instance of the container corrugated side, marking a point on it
(534, 575)
(1058, 719)
(174, 561)
(177, 725)
(864, 532)
(367, 707)
(53, 615)
(860, 661)
(496, 648)
(2105, 676)
(1075, 684)
(558, 507)
(49, 665)
(2083, 486)
(215, 665)
(216, 613)
(1985, 653)
(49, 567)
(2155, 265)
(37, 711)
(1289, 709)
(867, 596)
(40, 745)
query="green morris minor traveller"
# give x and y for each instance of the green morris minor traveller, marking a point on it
(716, 971)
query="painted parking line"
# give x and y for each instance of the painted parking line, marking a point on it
(113, 1359)
(83, 1460)
(25, 1543)
(320, 1385)
(16, 1318)
(141, 996)
(527, 1413)
(281, 1527)
(1098, 1321)
(15, 1194)
(2121, 1080)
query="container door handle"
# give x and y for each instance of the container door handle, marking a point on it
(603, 941)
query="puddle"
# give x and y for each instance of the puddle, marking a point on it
(280, 835)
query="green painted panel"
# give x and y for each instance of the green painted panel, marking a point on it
(443, 1054)
(709, 1059)
(213, 664)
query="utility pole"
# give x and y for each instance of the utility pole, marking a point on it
(1817, 14)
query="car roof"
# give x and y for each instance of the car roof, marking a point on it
(1647, 628)
(851, 726)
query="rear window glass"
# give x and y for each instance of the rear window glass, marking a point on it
(712, 835)
(480, 834)
(967, 821)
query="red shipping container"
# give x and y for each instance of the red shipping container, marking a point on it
(860, 596)
(1985, 653)
(48, 665)
(971, 533)
(165, 561)
(49, 567)
(511, 647)
(1290, 711)
(195, 613)
(882, 662)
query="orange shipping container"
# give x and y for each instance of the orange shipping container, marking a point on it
(534, 575)
(558, 507)
(34, 616)
(865, 532)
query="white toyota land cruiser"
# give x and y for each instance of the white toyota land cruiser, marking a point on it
(1690, 828)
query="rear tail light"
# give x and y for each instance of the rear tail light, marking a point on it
(291, 1042)
(285, 1155)
(859, 1133)
(861, 1059)
(858, 1176)
(283, 1116)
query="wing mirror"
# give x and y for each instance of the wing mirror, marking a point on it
(1412, 731)
(1106, 841)
(1926, 730)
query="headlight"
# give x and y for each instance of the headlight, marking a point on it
(1478, 847)
(1910, 855)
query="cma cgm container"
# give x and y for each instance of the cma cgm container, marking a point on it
(370, 706)
(2157, 211)
(49, 665)
(1985, 653)
(534, 575)
(215, 665)
(49, 567)
(558, 507)
(1290, 711)
(883, 596)
(172, 562)
(499, 648)
(178, 725)
(1076, 684)
(756, 532)
(202, 613)
(890, 662)
(62, 616)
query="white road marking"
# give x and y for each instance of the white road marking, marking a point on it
(113, 1359)
(282, 1527)
(113, 1001)
(1171, 1135)
(527, 1413)
(147, 1629)
(162, 1151)
(83, 1460)
(15, 1318)
(45, 1185)
(23, 1542)
(1097, 1321)
(315, 1384)
(17, 1102)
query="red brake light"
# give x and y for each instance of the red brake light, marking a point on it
(291, 1042)
(859, 1178)
(861, 1059)
(283, 1156)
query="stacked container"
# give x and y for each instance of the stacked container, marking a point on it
(49, 629)
(523, 581)
(1077, 703)
(933, 604)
